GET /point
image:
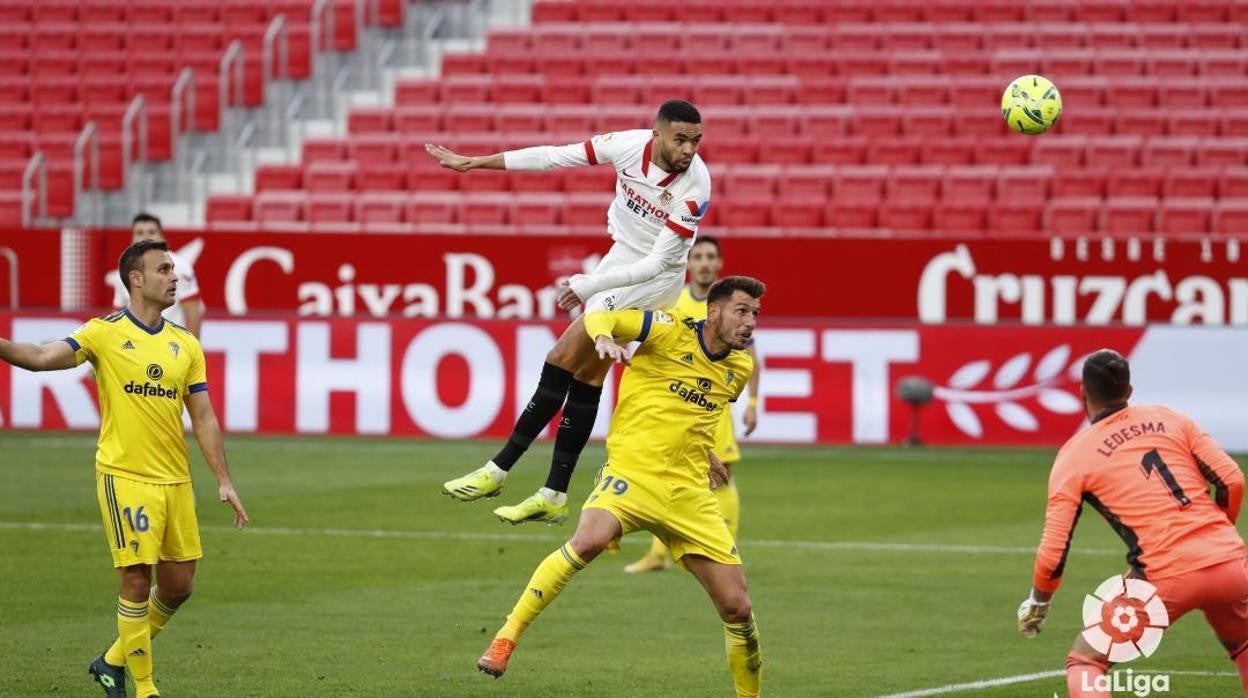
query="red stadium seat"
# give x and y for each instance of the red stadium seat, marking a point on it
(381, 176)
(1129, 215)
(227, 208)
(969, 185)
(330, 207)
(1139, 182)
(851, 215)
(905, 216)
(1022, 185)
(1190, 184)
(1015, 218)
(797, 213)
(959, 217)
(1072, 216)
(859, 184)
(1185, 216)
(917, 184)
(279, 207)
(329, 177)
(1231, 218)
(1233, 184)
(279, 177)
(1080, 183)
(431, 207)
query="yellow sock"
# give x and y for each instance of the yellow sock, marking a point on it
(550, 577)
(136, 638)
(730, 505)
(745, 657)
(657, 549)
(157, 615)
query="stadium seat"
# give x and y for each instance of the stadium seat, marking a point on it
(1015, 218)
(1186, 183)
(1186, 216)
(1128, 215)
(1072, 216)
(1231, 218)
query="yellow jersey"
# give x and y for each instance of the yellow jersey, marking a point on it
(672, 396)
(689, 306)
(143, 374)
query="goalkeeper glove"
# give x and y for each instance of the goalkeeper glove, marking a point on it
(1031, 616)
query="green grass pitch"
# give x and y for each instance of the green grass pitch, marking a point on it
(873, 571)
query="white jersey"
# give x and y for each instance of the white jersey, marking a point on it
(188, 290)
(654, 213)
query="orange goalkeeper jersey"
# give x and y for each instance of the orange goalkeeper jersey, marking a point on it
(1148, 471)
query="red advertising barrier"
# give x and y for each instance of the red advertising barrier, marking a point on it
(514, 276)
(821, 382)
(1035, 282)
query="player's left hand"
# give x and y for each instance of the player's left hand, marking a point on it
(719, 471)
(229, 496)
(567, 299)
(1031, 616)
(750, 420)
(607, 348)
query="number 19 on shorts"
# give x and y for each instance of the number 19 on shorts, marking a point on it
(616, 485)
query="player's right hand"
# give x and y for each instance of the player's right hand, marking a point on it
(229, 496)
(1031, 616)
(719, 471)
(449, 159)
(608, 349)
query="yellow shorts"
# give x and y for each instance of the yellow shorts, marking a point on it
(726, 439)
(686, 518)
(146, 523)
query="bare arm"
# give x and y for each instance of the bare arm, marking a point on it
(212, 445)
(751, 409)
(462, 163)
(53, 356)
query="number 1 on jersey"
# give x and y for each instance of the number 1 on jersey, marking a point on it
(1152, 461)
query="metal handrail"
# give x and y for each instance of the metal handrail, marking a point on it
(38, 163)
(90, 134)
(232, 58)
(279, 51)
(183, 92)
(136, 110)
(9, 254)
(320, 21)
(276, 28)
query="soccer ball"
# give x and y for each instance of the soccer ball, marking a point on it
(1031, 104)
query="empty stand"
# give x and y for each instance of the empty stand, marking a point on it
(843, 115)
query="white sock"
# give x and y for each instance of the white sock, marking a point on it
(498, 473)
(556, 498)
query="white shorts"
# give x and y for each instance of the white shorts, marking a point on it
(658, 293)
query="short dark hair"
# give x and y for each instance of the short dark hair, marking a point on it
(1106, 377)
(132, 258)
(145, 217)
(707, 239)
(725, 287)
(674, 110)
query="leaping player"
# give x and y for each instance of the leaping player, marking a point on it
(662, 192)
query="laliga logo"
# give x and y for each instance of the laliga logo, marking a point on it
(1124, 618)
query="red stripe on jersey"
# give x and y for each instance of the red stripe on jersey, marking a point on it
(589, 153)
(679, 229)
(645, 159)
(693, 207)
(668, 179)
